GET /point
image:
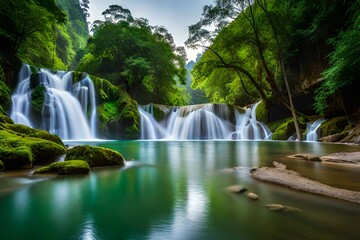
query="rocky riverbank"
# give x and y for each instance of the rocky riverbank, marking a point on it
(293, 180)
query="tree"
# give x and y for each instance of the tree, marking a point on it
(140, 58)
(257, 32)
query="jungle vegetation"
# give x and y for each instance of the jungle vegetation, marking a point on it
(255, 48)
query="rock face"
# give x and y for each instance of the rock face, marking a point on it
(95, 156)
(294, 180)
(343, 157)
(73, 167)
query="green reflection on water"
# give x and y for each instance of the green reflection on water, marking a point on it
(175, 190)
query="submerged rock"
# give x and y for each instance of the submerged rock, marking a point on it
(95, 156)
(280, 207)
(236, 189)
(252, 196)
(73, 167)
(307, 157)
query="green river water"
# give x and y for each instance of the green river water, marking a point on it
(176, 190)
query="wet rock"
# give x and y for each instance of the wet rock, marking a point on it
(280, 207)
(236, 189)
(72, 167)
(279, 165)
(307, 157)
(275, 207)
(343, 157)
(252, 196)
(95, 156)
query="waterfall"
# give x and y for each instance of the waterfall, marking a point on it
(312, 130)
(203, 122)
(69, 109)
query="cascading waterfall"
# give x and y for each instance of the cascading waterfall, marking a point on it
(312, 130)
(209, 121)
(69, 109)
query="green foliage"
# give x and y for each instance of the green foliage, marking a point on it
(344, 63)
(39, 34)
(73, 167)
(95, 156)
(136, 57)
(5, 98)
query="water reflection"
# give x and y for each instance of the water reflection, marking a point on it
(88, 230)
(174, 190)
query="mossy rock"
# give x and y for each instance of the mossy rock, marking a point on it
(2, 166)
(334, 126)
(16, 158)
(95, 156)
(42, 151)
(37, 101)
(5, 119)
(282, 130)
(36, 133)
(72, 167)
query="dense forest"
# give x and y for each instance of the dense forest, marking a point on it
(299, 57)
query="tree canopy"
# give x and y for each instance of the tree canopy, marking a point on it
(141, 58)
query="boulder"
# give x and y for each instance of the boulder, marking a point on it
(252, 196)
(236, 189)
(307, 157)
(95, 156)
(19, 151)
(72, 167)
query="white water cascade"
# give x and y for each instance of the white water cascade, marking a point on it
(312, 130)
(69, 110)
(203, 122)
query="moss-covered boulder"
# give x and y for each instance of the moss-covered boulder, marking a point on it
(95, 156)
(16, 157)
(19, 150)
(262, 112)
(73, 167)
(334, 126)
(33, 132)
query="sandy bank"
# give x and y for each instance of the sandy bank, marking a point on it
(293, 180)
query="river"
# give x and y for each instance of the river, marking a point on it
(176, 190)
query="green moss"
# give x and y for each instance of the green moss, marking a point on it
(107, 112)
(4, 119)
(5, 98)
(73, 167)
(334, 125)
(42, 151)
(16, 157)
(37, 100)
(282, 130)
(262, 113)
(34, 80)
(95, 156)
(36, 133)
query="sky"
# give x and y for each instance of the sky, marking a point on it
(174, 15)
